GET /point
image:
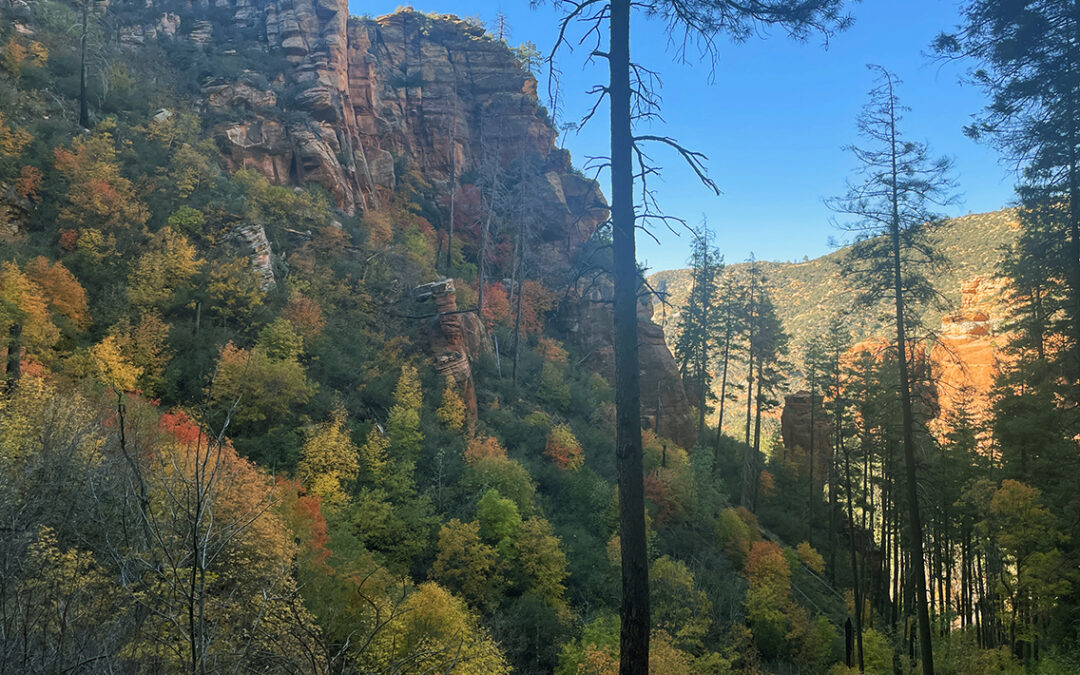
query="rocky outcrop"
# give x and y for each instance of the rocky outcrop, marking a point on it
(250, 240)
(967, 357)
(796, 430)
(361, 100)
(587, 317)
(14, 211)
(453, 338)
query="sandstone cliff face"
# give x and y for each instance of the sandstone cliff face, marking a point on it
(967, 357)
(453, 338)
(412, 92)
(588, 318)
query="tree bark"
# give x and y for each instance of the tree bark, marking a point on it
(14, 356)
(914, 521)
(84, 106)
(723, 397)
(854, 562)
(634, 610)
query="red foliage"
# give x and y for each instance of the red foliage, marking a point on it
(496, 304)
(304, 515)
(656, 492)
(181, 427)
(68, 239)
(310, 508)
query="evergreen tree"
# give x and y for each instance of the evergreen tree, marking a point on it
(897, 186)
(1028, 62)
(630, 98)
(698, 327)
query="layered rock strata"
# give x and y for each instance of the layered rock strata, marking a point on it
(359, 102)
(967, 357)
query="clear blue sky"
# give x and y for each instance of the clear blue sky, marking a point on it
(772, 120)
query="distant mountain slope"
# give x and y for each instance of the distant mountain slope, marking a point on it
(808, 294)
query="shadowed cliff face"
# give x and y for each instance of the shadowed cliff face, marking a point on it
(364, 99)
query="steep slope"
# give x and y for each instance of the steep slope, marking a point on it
(361, 105)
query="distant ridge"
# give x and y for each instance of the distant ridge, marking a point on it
(807, 294)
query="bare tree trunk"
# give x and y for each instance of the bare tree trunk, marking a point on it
(634, 611)
(755, 473)
(84, 107)
(723, 397)
(854, 562)
(14, 356)
(914, 520)
(812, 497)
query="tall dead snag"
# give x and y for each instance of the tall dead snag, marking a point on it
(632, 97)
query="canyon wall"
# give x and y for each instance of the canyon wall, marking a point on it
(361, 101)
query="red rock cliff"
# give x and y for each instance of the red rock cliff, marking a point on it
(361, 99)
(967, 357)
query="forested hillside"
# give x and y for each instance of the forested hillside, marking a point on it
(307, 365)
(808, 293)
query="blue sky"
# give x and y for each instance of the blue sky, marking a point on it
(772, 118)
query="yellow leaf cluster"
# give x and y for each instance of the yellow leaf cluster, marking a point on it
(452, 411)
(168, 262)
(112, 366)
(12, 140)
(329, 461)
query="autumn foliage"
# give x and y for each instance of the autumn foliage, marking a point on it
(480, 447)
(563, 449)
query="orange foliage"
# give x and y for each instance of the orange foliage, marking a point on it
(766, 561)
(551, 350)
(656, 492)
(496, 304)
(563, 448)
(484, 446)
(329, 241)
(28, 182)
(65, 293)
(304, 515)
(68, 240)
(304, 314)
(97, 194)
(241, 491)
(535, 301)
(18, 290)
(767, 484)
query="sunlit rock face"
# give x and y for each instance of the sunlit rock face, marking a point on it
(968, 356)
(359, 102)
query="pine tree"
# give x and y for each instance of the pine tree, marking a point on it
(897, 186)
(698, 327)
(1028, 62)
